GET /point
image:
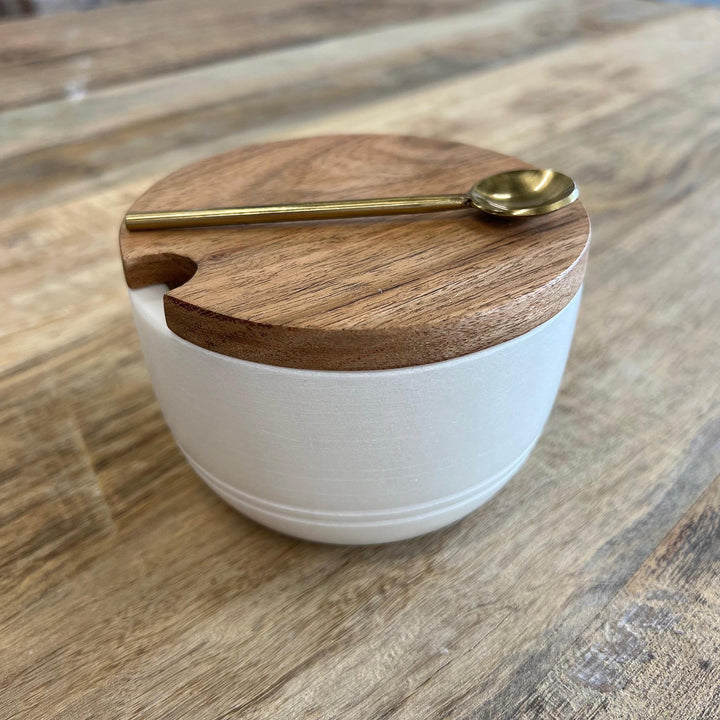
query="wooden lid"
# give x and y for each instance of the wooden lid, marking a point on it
(357, 294)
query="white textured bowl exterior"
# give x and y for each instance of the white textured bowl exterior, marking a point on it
(361, 456)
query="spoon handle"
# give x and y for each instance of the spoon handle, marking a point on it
(302, 211)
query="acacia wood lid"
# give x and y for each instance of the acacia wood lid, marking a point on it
(356, 294)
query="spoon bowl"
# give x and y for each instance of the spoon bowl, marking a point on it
(520, 193)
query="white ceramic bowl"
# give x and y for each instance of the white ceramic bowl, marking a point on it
(361, 456)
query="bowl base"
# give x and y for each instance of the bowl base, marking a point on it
(360, 527)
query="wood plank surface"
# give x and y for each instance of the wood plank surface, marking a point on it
(656, 644)
(66, 55)
(70, 53)
(587, 588)
(126, 125)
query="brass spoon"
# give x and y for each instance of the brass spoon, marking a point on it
(517, 193)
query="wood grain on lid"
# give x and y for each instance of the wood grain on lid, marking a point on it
(359, 294)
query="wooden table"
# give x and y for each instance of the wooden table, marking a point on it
(587, 588)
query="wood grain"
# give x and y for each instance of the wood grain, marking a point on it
(104, 128)
(587, 588)
(65, 55)
(625, 663)
(370, 61)
(365, 294)
(61, 55)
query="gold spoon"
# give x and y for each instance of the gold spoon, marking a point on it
(517, 193)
